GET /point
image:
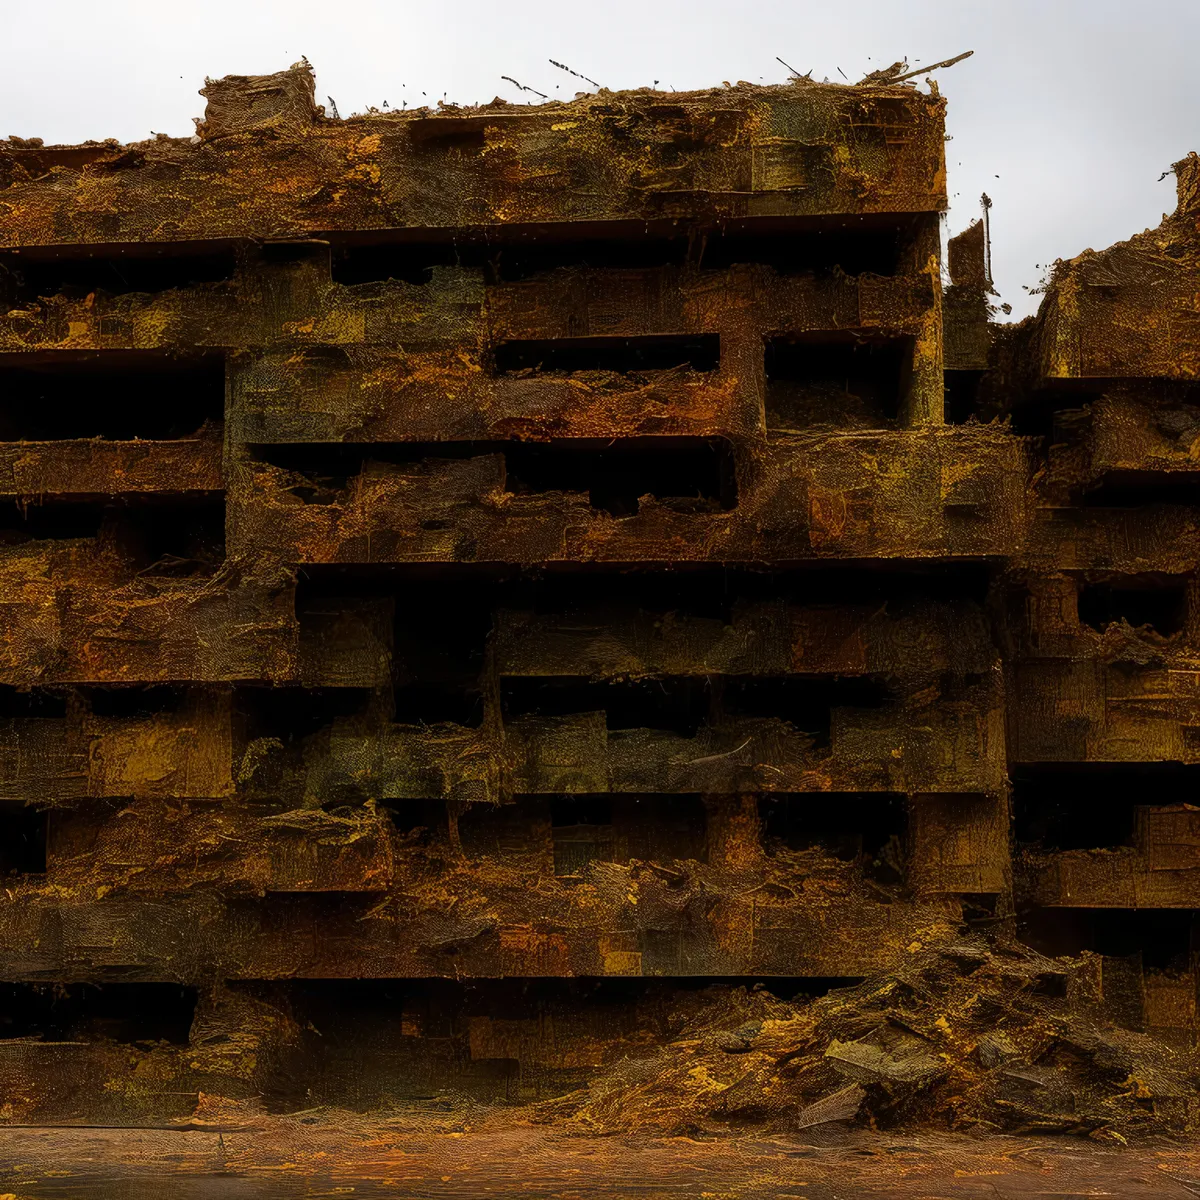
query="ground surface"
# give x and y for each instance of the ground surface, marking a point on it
(287, 1158)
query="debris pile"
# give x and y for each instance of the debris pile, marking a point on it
(968, 1036)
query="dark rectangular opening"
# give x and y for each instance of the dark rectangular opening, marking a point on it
(981, 910)
(174, 540)
(852, 826)
(1155, 601)
(1091, 806)
(688, 474)
(1163, 938)
(682, 704)
(134, 702)
(429, 1043)
(660, 828)
(281, 734)
(617, 827)
(444, 614)
(621, 827)
(461, 141)
(22, 704)
(699, 594)
(439, 641)
(835, 380)
(461, 134)
(180, 540)
(286, 252)
(870, 584)
(152, 536)
(130, 1013)
(53, 521)
(442, 625)
(439, 644)
(501, 261)
(1056, 411)
(506, 833)
(851, 245)
(853, 249)
(116, 395)
(961, 390)
(406, 262)
(621, 355)
(77, 271)
(804, 702)
(525, 260)
(1052, 412)
(1144, 489)
(22, 840)
(457, 603)
(1052, 985)
(582, 831)
(424, 703)
(290, 714)
(418, 820)
(677, 706)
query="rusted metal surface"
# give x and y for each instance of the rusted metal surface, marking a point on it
(530, 607)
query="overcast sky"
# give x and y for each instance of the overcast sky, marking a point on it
(1067, 114)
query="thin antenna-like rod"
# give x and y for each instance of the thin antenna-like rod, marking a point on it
(986, 201)
(564, 67)
(523, 88)
(946, 62)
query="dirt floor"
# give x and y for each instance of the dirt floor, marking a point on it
(271, 1157)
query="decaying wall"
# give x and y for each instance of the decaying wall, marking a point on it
(495, 596)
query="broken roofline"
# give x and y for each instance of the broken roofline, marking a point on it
(785, 151)
(289, 97)
(295, 89)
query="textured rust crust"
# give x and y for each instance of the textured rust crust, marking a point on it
(268, 163)
(551, 613)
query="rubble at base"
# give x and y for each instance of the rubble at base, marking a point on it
(968, 1036)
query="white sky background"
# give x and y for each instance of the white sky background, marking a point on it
(1067, 114)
